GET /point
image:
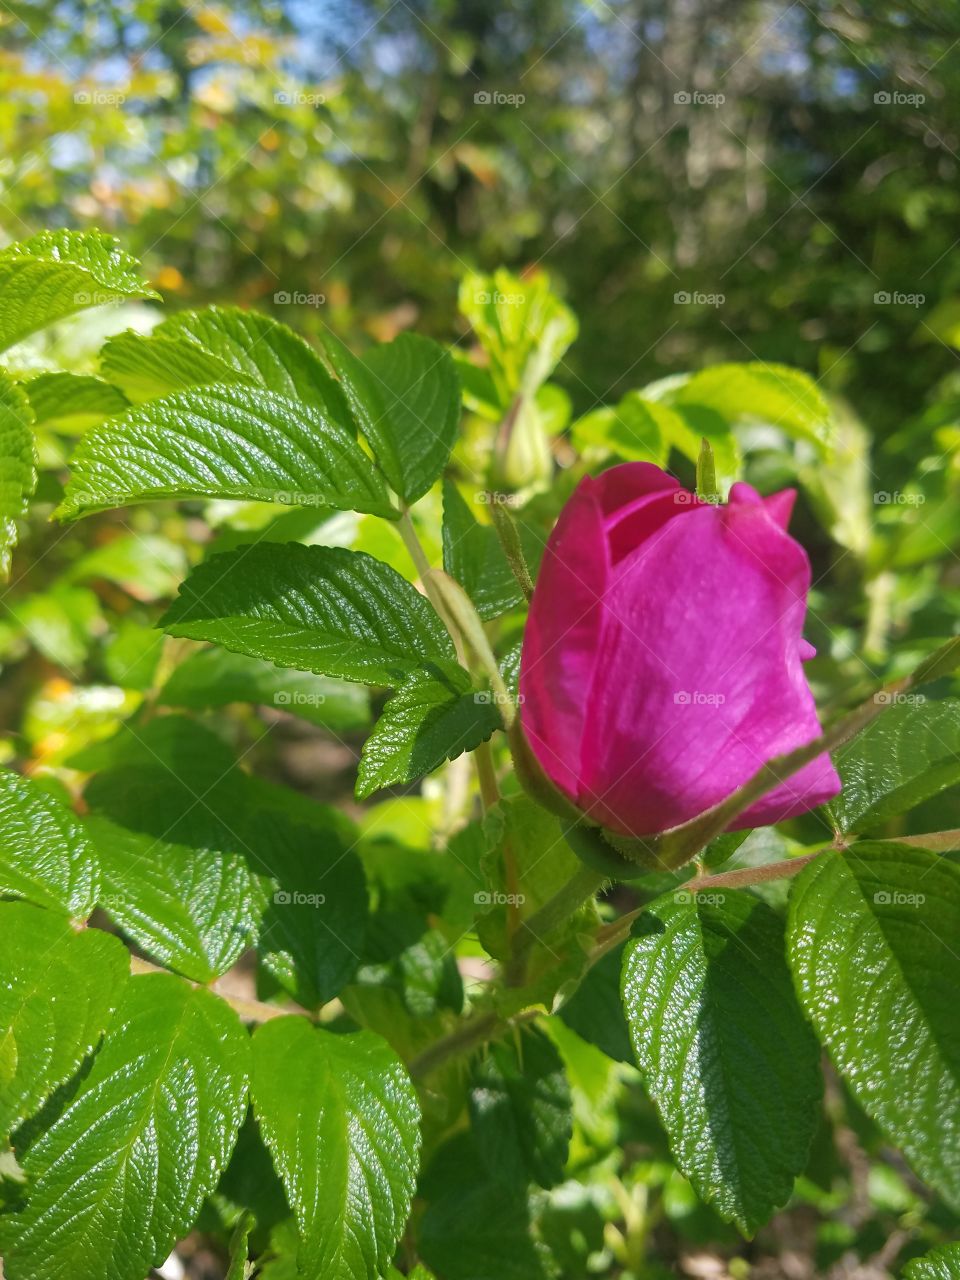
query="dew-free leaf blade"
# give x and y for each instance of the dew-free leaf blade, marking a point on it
(341, 1120)
(45, 854)
(472, 554)
(872, 944)
(57, 273)
(725, 1053)
(322, 609)
(59, 989)
(192, 909)
(405, 398)
(423, 724)
(908, 754)
(121, 1174)
(521, 1111)
(18, 476)
(224, 441)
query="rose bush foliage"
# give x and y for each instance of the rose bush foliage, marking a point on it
(616, 889)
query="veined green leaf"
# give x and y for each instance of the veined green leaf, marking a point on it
(521, 1111)
(872, 944)
(473, 556)
(263, 351)
(72, 402)
(45, 854)
(939, 1264)
(145, 366)
(57, 273)
(905, 756)
(121, 1174)
(322, 609)
(192, 909)
(223, 441)
(18, 476)
(423, 724)
(59, 989)
(341, 1119)
(405, 398)
(723, 1048)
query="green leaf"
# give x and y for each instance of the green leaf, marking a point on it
(59, 989)
(472, 554)
(72, 402)
(311, 934)
(423, 724)
(872, 943)
(475, 1228)
(57, 273)
(520, 1111)
(939, 1264)
(121, 1174)
(341, 1120)
(595, 1012)
(224, 441)
(263, 351)
(405, 398)
(216, 677)
(322, 609)
(636, 430)
(771, 393)
(908, 754)
(145, 366)
(723, 1049)
(193, 909)
(45, 854)
(18, 476)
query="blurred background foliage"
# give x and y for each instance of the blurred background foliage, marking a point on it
(667, 184)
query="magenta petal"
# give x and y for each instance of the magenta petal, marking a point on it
(561, 636)
(780, 506)
(698, 680)
(807, 651)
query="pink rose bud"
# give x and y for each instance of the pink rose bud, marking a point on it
(661, 663)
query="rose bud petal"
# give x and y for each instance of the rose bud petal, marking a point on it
(662, 659)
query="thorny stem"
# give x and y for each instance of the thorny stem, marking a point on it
(479, 1030)
(509, 536)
